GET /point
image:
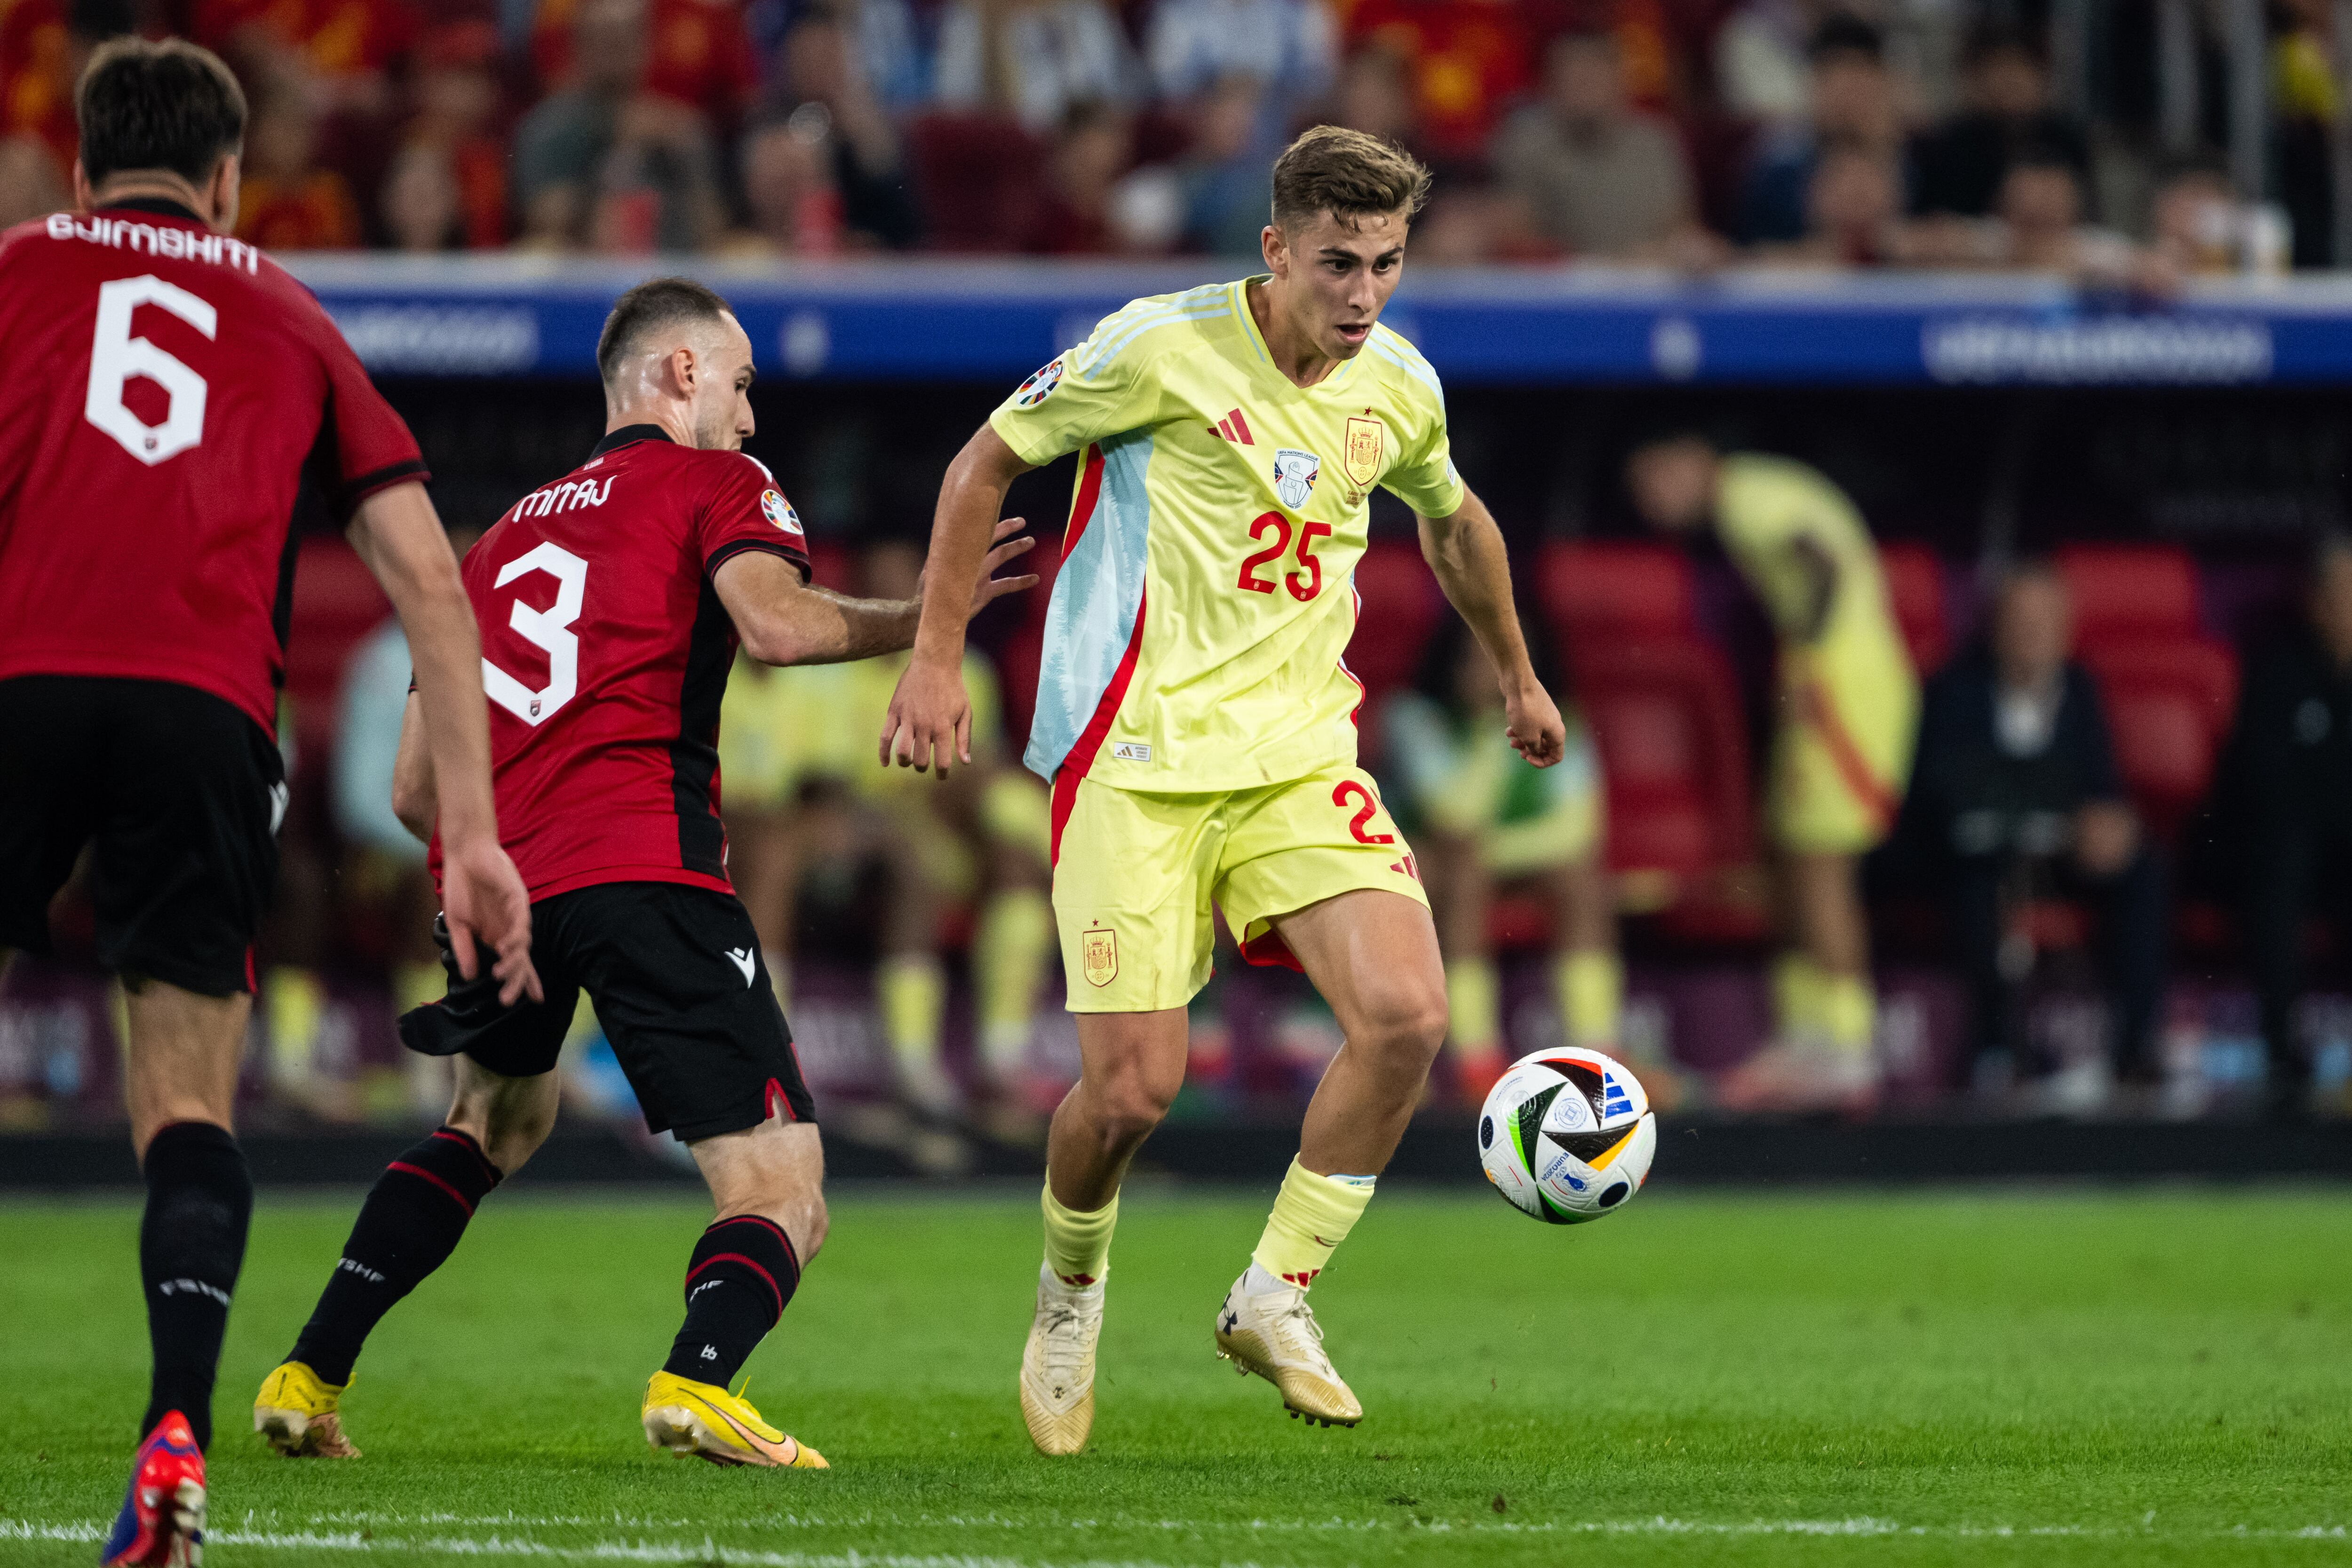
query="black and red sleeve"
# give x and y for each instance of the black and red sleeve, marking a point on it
(741, 508)
(371, 446)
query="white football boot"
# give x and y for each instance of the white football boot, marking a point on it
(1274, 1335)
(1058, 1365)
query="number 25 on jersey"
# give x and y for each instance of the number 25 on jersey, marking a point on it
(1302, 588)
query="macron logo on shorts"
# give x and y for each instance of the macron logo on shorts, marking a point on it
(742, 960)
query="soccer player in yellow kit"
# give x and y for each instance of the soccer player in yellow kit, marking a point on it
(1841, 757)
(1198, 723)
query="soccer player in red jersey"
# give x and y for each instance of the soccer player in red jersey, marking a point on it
(615, 598)
(169, 393)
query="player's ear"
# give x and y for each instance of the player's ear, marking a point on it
(222, 192)
(1276, 249)
(84, 198)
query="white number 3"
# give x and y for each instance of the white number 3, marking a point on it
(548, 628)
(116, 357)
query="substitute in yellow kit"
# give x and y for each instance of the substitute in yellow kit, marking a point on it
(1197, 721)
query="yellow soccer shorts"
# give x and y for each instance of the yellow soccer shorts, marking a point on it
(1136, 875)
(1842, 757)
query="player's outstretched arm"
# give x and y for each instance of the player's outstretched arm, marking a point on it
(482, 894)
(782, 620)
(1467, 552)
(930, 722)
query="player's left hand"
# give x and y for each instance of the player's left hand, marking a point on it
(1531, 719)
(483, 900)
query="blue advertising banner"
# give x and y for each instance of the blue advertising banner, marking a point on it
(938, 319)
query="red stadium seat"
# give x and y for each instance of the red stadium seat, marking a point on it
(336, 605)
(1616, 590)
(1915, 591)
(2169, 703)
(978, 177)
(1398, 603)
(2129, 590)
(1662, 704)
(1666, 718)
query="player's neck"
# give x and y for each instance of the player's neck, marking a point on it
(671, 422)
(1297, 357)
(152, 187)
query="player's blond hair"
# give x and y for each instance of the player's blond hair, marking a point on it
(1347, 173)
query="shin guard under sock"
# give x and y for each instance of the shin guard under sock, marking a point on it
(407, 1228)
(743, 1273)
(191, 1245)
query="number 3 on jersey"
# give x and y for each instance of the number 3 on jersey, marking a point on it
(116, 358)
(550, 629)
(1301, 588)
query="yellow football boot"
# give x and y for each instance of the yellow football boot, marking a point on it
(295, 1410)
(1275, 1335)
(705, 1420)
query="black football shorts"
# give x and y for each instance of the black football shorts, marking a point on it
(678, 985)
(179, 792)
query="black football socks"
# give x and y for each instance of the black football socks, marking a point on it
(742, 1272)
(407, 1228)
(191, 1245)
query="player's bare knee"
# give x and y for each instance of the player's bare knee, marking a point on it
(1127, 1106)
(1404, 1027)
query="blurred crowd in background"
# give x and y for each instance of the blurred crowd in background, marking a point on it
(2130, 142)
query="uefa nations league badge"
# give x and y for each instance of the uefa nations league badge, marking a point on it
(1295, 473)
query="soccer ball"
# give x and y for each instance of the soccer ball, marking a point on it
(1566, 1135)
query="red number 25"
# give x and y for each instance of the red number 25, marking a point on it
(1280, 525)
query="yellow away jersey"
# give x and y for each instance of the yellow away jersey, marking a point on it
(1763, 506)
(1205, 597)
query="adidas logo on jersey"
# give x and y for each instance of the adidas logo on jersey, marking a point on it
(1234, 428)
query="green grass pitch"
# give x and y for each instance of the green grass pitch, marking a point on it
(2011, 1377)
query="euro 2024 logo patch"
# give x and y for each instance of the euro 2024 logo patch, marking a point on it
(777, 510)
(1295, 473)
(1040, 386)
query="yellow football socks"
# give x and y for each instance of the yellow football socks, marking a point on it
(914, 997)
(1797, 984)
(1077, 1246)
(1312, 1215)
(1473, 1006)
(1848, 1011)
(1590, 986)
(1008, 954)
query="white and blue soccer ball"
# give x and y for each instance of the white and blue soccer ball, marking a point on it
(1566, 1135)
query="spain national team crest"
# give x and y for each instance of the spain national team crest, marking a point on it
(1040, 386)
(1361, 458)
(777, 510)
(1295, 473)
(1098, 955)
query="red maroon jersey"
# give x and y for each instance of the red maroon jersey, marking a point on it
(606, 651)
(167, 393)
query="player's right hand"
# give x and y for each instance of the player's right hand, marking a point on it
(484, 900)
(929, 721)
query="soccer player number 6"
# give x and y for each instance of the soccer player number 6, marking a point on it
(116, 357)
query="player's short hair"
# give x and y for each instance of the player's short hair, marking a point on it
(1347, 173)
(148, 104)
(650, 306)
